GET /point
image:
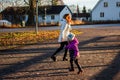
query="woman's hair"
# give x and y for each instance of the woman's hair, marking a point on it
(67, 19)
(65, 16)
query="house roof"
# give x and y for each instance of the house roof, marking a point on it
(41, 10)
(51, 9)
(15, 10)
(96, 5)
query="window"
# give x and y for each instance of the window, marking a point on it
(105, 4)
(119, 14)
(52, 17)
(102, 14)
(118, 4)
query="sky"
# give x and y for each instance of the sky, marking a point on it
(88, 3)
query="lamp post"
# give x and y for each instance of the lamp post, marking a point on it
(45, 16)
(36, 28)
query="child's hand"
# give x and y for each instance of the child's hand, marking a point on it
(76, 57)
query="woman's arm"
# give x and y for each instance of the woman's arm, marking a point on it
(63, 31)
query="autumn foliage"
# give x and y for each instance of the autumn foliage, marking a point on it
(22, 38)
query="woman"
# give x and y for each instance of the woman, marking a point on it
(64, 31)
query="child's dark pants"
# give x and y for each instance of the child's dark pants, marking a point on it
(73, 59)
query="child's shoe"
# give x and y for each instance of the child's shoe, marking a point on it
(80, 71)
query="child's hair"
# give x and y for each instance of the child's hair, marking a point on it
(65, 16)
(71, 36)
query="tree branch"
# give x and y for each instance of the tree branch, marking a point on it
(26, 2)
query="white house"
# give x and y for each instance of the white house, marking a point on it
(46, 14)
(106, 10)
(53, 14)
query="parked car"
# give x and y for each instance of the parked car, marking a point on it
(5, 23)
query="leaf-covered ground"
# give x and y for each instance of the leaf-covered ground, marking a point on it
(12, 39)
(99, 58)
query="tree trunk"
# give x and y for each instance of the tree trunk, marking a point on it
(31, 13)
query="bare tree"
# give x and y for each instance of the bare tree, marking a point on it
(54, 2)
(32, 6)
(45, 2)
(31, 11)
(50, 2)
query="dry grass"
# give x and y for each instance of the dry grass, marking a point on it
(77, 22)
(21, 38)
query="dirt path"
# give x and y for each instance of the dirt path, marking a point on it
(100, 59)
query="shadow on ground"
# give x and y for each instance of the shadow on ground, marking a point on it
(111, 71)
(106, 74)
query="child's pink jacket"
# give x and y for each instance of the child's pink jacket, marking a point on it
(73, 45)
